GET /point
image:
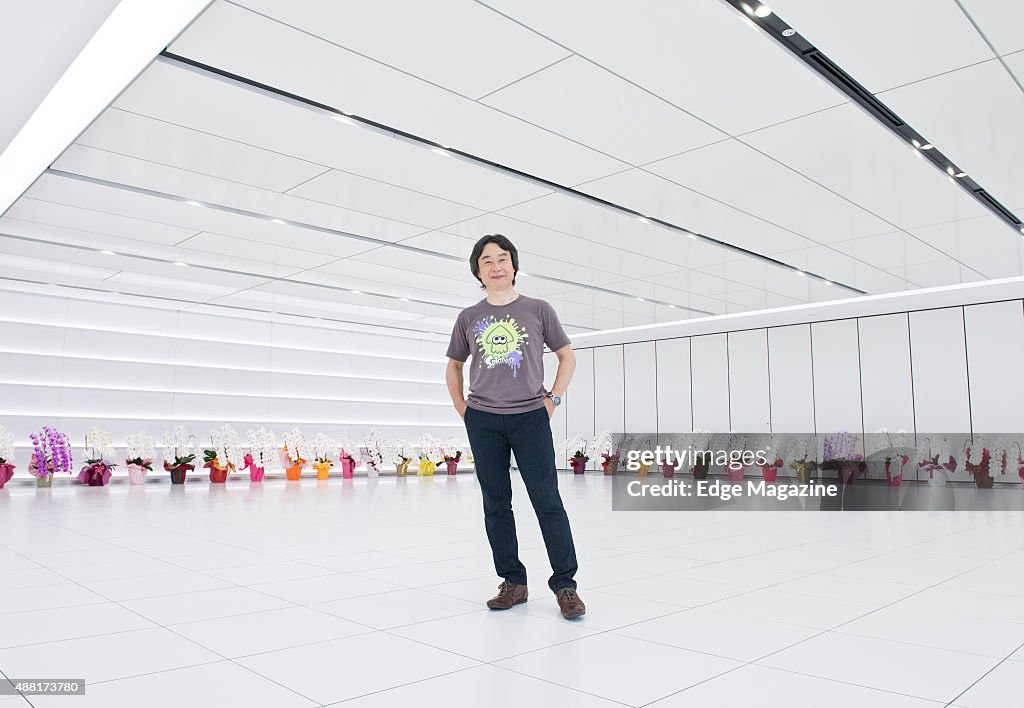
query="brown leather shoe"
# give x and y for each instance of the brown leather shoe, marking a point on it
(570, 603)
(508, 594)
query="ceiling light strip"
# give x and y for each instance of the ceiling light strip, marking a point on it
(274, 92)
(325, 230)
(224, 394)
(814, 58)
(177, 419)
(215, 367)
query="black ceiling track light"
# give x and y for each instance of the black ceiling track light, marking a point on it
(798, 45)
(266, 89)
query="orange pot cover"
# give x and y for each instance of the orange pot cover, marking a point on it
(322, 471)
(293, 472)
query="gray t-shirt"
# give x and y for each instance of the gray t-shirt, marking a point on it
(507, 342)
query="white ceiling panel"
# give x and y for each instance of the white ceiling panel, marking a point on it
(650, 194)
(153, 140)
(884, 44)
(701, 56)
(180, 183)
(1015, 62)
(355, 192)
(38, 42)
(562, 255)
(42, 268)
(891, 251)
(248, 44)
(193, 219)
(770, 191)
(590, 105)
(845, 150)
(87, 219)
(385, 278)
(1001, 21)
(284, 256)
(213, 286)
(974, 116)
(984, 244)
(429, 40)
(186, 98)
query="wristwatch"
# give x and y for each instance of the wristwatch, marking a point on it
(557, 400)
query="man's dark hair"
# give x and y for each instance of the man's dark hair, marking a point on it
(504, 244)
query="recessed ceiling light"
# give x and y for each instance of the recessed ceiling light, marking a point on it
(192, 202)
(644, 219)
(762, 11)
(278, 221)
(356, 292)
(108, 253)
(672, 306)
(829, 282)
(788, 32)
(693, 236)
(641, 299)
(404, 299)
(927, 146)
(179, 263)
(800, 272)
(439, 151)
(960, 174)
(916, 143)
(343, 119)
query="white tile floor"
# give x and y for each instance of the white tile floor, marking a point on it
(369, 593)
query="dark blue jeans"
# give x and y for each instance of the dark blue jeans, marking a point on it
(493, 437)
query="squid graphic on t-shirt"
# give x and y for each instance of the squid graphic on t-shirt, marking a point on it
(500, 342)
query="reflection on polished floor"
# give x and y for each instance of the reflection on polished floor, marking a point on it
(369, 592)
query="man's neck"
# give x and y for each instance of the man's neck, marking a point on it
(501, 297)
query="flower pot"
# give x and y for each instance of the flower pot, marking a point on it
(348, 467)
(770, 472)
(426, 468)
(256, 473)
(218, 475)
(579, 464)
(668, 470)
(96, 474)
(402, 468)
(736, 471)
(293, 473)
(453, 466)
(136, 473)
(6, 472)
(847, 473)
(803, 469)
(46, 481)
(699, 471)
(178, 474)
(983, 480)
(323, 470)
(611, 465)
(894, 480)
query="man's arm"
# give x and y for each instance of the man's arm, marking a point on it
(453, 377)
(566, 367)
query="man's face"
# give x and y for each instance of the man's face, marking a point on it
(495, 267)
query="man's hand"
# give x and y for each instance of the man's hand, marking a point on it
(461, 408)
(550, 405)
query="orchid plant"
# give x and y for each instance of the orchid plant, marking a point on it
(605, 446)
(51, 453)
(429, 447)
(180, 448)
(226, 452)
(296, 449)
(451, 450)
(934, 454)
(140, 450)
(6, 447)
(574, 448)
(323, 449)
(262, 447)
(769, 445)
(99, 447)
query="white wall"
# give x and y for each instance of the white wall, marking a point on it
(74, 364)
(911, 361)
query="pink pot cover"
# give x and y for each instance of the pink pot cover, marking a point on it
(348, 466)
(736, 473)
(668, 470)
(6, 472)
(136, 474)
(770, 472)
(579, 464)
(453, 466)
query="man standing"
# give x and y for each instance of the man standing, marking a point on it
(507, 411)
